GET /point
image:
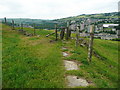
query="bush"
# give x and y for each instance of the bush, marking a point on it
(116, 39)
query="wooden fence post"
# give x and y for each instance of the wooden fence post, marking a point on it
(34, 29)
(62, 33)
(67, 31)
(5, 20)
(90, 48)
(69, 35)
(77, 35)
(21, 26)
(56, 32)
(13, 28)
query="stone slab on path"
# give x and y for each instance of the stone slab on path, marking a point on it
(70, 65)
(74, 81)
(65, 54)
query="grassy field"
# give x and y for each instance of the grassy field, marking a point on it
(103, 73)
(31, 62)
(35, 62)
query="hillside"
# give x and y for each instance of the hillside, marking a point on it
(93, 16)
(37, 61)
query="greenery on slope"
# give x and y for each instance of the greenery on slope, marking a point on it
(34, 62)
(102, 73)
(30, 62)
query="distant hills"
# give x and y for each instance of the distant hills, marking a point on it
(49, 24)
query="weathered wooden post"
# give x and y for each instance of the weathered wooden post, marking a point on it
(69, 35)
(21, 26)
(80, 28)
(13, 28)
(5, 20)
(67, 31)
(77, 35)
(56, 32)
(62, 33)
(34, 29)
(90, 48)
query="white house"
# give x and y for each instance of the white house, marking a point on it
(110, 25)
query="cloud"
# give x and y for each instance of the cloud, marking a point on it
(53, 9)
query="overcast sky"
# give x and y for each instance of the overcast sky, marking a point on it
(54, 9)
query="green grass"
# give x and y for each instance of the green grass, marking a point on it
(38, 31)
(103, 73)
(0, 56)
(31, 62)
(34, 62)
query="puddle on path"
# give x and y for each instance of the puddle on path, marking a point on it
(70, 65)
(74, 81)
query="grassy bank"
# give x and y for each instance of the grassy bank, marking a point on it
(102, 73)
(30, 62)
(35, 62)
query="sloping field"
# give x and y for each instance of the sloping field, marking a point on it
(30, 62)
(35, 62)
